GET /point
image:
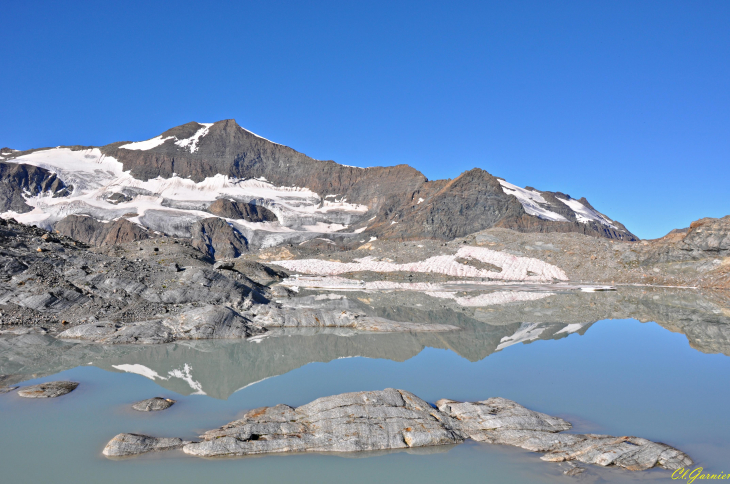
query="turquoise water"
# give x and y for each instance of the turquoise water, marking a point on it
(621, 377)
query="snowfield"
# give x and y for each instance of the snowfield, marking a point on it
(157, 202)
(514, 268)
(532, 201)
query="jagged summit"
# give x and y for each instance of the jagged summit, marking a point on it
(187, 174)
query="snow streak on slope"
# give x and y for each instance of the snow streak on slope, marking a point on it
(192, 142)
(157, 203)
(513, 268)
(189, 143)
(585, 214)
(532, 202)
(148, 144)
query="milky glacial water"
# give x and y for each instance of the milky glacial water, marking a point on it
(621, 377)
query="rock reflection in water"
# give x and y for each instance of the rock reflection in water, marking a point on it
(220, 367)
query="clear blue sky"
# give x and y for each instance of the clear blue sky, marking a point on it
(624, 102)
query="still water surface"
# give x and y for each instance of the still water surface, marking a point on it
(621, 377)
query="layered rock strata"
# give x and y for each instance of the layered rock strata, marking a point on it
(397, 419)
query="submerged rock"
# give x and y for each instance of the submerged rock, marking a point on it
(154, 404)
(131, 444)
(397, 419)
(51, 389)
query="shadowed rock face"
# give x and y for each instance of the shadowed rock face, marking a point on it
(93, 232)
(241, 211)
(528, 223)
(397, 419)
(214, 237)
(472, 202)
(17, 180)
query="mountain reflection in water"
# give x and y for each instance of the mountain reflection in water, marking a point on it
(218, 368)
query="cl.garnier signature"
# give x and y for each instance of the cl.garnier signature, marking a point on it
(697, 473)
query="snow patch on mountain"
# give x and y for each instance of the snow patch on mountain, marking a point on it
(535, 204)
(192, 142)
(147, 144)
(188, 143)
(172, 205)
(532, 202)
(514, 268)
(585, 214)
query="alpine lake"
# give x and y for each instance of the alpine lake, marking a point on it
(649, 362)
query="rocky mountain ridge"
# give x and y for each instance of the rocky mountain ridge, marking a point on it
(271, 194)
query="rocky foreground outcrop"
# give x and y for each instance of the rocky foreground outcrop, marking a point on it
(397, 419)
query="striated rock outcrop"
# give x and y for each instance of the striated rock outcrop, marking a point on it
(397, 419)
(51, 389)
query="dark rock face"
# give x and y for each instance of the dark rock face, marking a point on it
(529, 223)
(231, 150)
(18, 179)
(239, 210)
(214, 237)
(94, 232)
(472, 202)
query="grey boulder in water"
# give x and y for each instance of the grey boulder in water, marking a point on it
(154, 404)
(131, 444)
(51, 389)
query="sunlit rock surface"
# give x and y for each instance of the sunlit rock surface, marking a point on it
(397, 419)
(131, 444)
(51, 389)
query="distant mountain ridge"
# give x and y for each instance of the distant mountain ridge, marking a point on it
(168, 183)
